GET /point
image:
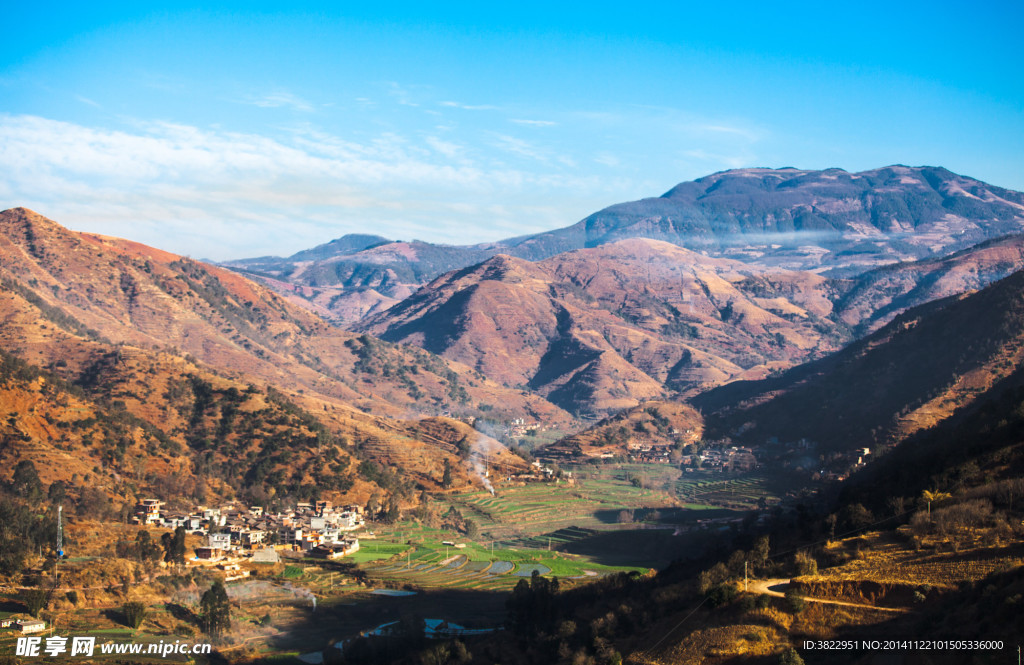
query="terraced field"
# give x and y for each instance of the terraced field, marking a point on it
(542, 507)
(734, 491)
(431, 565)
(554, 528)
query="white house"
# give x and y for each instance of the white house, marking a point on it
(31, 625)
(219, 541)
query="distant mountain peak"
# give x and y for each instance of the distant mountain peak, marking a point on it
(349, 243)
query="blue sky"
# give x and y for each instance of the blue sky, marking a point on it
(226, 132)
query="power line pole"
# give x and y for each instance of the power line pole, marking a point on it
(60, 543)
(744, 576)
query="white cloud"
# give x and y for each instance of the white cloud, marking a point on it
(403, 94)
(279, 99)
(86, 100)
(742, 132)
(533, 123)
(219, 194)
(446, 148)
(520, 147)
(468, 107)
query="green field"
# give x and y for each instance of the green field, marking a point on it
(426, 563)
(575, 531)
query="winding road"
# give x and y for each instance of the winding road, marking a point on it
(777, 587)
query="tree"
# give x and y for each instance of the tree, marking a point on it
(145, 549)
(174, 546)
(393, 513)
(134, 614)
(533, 605)
(762, 548)
(57, 493)
(215, 610)
(34, 599)
(446, 478)
(25, 481)
(471, 529)
(929, 496)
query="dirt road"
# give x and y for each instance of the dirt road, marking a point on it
(777, 587)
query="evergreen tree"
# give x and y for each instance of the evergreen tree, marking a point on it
(446, 479)
(134, 614)
(215, 610)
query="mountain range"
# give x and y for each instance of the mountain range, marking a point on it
(831, 222)
(199, 373)
(609, 316)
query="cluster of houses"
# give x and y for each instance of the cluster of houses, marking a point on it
(317, 528)
(23, 626)
(646, 452)
(537, 471)
(728, 458)
(519, 427)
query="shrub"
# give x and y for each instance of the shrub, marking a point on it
(795, 602)
(722, 594)
(790, 657)
(805, 564)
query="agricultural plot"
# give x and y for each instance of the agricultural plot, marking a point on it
(492, 566)
(542, 508)
(693, 489)
(373, 550)
(736, 491)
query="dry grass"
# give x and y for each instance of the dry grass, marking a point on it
(888, 558)
(718, 644)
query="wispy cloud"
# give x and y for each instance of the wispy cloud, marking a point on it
(86, 100)
(403, 94)
(446, 148)
(468, 107)
(533, 123)
(520, 147)
(234, 194)
(279, 99)
(742, 132)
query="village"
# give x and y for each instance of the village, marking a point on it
(315, 529)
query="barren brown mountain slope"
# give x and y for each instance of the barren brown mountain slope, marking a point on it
(601, 329)
(910, 375)
(127, 421)
(878, 296)
(133, 294)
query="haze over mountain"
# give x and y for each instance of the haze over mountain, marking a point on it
(831, 222)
